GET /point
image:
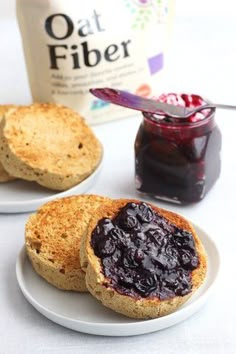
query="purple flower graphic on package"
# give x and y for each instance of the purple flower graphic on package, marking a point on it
(143, 2)
(145, 11)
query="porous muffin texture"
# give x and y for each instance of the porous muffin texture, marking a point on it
(53, 236)
(49, 144)
(4, 175)
(137, 307)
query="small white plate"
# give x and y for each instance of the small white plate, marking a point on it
(83, 313)
(22, 196)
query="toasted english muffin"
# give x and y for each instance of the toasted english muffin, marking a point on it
(141, 260)
(49, 144)
(4, 176)
(52, 238)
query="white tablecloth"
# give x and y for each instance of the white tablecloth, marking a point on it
(202, 59)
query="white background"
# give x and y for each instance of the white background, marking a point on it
(201, 59)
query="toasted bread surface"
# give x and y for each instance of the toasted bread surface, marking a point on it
(4, 175)
(49, 144)
(53, 235)
(99, 286)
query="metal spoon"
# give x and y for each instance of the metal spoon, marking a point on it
(128, 100)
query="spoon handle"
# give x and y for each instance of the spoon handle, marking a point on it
(224, 106)
(128, 100)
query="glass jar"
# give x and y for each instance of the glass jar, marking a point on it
(177, 160)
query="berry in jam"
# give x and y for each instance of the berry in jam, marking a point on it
(176, 160)
(144, 255)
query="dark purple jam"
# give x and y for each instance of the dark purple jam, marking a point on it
(178, 161)
(144, 255)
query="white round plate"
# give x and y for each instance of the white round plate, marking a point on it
(81, 312)
(22, 196)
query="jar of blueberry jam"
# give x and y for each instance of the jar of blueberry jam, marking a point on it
(178, 160)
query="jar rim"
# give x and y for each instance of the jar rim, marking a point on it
(174, 124)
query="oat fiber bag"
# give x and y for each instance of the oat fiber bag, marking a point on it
(71, 46)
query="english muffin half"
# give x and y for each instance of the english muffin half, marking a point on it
(141, 260)
(53, 236)
(49, 144)
(4, 176)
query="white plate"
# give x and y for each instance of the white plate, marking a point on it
(83, 313)
(22, 196)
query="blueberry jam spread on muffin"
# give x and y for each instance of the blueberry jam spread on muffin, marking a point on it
(145, 255)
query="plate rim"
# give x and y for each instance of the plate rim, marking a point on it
(33, 204)
(109, 329)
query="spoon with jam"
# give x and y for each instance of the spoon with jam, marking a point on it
(161, 107)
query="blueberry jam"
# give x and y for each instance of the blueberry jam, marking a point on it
(143, 254)
(178, 161)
